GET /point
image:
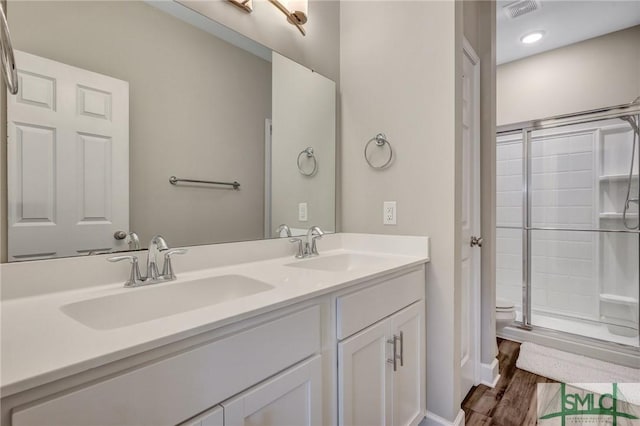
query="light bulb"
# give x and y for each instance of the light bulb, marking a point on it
(532, 37)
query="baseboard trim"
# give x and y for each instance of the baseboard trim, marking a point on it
(490, 373)
(433, 419)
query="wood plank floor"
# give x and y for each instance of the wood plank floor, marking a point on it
(513, 401)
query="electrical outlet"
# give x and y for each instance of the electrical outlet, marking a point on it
(389, 213)
(302, 212)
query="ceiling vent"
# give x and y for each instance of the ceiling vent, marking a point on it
(522, 7)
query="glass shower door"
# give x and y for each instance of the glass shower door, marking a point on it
(582, 261)
(509, 198)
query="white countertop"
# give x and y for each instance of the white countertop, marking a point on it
(41, 344)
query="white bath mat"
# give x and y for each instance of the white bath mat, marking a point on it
(571, 368)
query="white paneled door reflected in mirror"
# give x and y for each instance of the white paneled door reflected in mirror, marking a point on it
(117, 97)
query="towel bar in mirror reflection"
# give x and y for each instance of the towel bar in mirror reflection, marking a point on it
(174, 181)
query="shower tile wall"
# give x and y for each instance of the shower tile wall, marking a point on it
(562, 195)
(509, 213)
(563, 278)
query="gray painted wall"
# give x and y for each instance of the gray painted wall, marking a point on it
(401, 78)
(318, 50)
(603, 71)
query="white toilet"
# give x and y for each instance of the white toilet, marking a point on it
(505, 313)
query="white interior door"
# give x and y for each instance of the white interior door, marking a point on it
(68, 160)
(470, 256)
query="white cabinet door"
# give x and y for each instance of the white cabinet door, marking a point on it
(364, 378)
(409, 381)
(293, 397)
(370, 392)
(212, 417)
(67, 160)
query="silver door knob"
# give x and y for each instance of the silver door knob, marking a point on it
(119, 235)
(476, 241)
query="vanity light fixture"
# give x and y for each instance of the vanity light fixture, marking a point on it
(246, 5)
(532, 37)
(296, 11)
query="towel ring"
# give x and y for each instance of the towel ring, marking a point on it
(309, 153)
(381, 140)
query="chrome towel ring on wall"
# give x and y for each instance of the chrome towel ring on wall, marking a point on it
(9, 71)
(309, 154)
(381, 140)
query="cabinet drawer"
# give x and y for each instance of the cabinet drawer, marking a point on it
(174, 389)
(362, 308)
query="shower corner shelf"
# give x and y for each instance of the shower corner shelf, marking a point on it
(616, 178)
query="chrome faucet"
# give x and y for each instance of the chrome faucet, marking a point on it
(283, 227)
(308, 248)
(157, 245)
(133, 241)
(313, 234)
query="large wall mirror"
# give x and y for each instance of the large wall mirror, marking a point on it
(116, 98)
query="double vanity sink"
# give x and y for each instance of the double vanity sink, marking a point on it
(141, 304)
(135, 305)
(85, 326)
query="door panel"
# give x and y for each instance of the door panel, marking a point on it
(68, 160)
(364, 378)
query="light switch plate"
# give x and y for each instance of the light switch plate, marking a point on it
(302, 212)
(389, 213)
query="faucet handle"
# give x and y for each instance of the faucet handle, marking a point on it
(167, 269)
(314, 247)
(134, 275)
(300, 253)
(132, 259)
(171, 252)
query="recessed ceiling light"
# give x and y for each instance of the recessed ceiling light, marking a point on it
(532, 37)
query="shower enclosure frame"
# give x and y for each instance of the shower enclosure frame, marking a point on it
(525, 129)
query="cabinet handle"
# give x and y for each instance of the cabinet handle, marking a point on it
(394, 357)
(401, 349)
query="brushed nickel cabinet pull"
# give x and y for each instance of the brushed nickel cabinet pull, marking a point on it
(394, 358)
(401, 349)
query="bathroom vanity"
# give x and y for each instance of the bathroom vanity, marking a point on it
(334, 339)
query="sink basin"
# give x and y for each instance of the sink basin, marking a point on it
(147, 303)
(339, 262)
